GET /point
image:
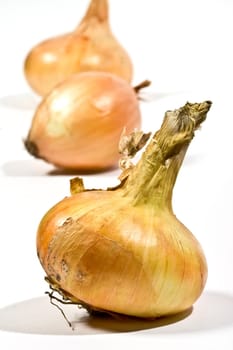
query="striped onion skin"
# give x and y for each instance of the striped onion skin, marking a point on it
(79, 124)
(103, 253)
(91, 46)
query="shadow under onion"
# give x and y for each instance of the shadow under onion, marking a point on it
(214, 310)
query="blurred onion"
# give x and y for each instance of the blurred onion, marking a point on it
(79, 124)
(90, 47)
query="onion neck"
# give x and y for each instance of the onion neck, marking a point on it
(152, 180)
(97, 10)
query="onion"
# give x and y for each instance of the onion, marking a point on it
(91, 46)
(122, 250)
(78, 125)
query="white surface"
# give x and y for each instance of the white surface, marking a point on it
(184, 47)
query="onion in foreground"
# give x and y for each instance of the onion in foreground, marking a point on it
(123, 250)
(90, 47)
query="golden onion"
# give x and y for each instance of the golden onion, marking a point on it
(90, 47)
(78, 125)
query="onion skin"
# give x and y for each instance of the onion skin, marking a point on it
(123, 260)
(122, 250)
(78, 125)
(90, 47)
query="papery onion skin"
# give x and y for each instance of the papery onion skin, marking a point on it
(112, 257)
(122, 249)
(90, 47)
(78, 125)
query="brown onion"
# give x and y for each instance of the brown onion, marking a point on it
(123, 249)
(78, 125)
(91, 46)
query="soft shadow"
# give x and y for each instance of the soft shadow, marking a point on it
(38, 167)
(37, 316)
(151, 96)
(24, 101)
(27, 167)
(57, 172)
(122, 324)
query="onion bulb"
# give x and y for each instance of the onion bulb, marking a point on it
(78, 125)
(123, 250)
(91, 46)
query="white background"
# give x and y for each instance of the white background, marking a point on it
(185, 49)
